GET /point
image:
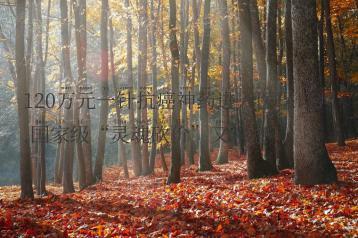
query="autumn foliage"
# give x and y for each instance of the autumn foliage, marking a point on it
(220, 203)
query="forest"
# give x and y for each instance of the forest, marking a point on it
(178, 118)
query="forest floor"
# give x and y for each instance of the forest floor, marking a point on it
(220, 203)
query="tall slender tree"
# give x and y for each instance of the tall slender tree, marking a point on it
(312, 164)
(98, 169)
(153, 40)
(184, 37)
(135, 148)
(256, 166)
(174, 174)
(21, 87)
(121, 147)
(142, 77)
(204, 154)
(225, 85)
(336, 107)
(270, 153)
(67, 179)
(41, 113)
(288, 142)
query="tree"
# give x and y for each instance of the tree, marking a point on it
(256, 166)
(312, 164)
(184, 37)
(41, 114)
(67, 179)
(80, 64)
(142, 78)
(21, 87)
(174, 174)
(135, 148)
(225, 86)
(204, 155)
(98, 169)
(121, 147)
(288, 141)
(153, 31)
(270, 153)
(336, 108)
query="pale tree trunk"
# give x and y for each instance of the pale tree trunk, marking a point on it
(256, 166)
(288, 142)
(153, 39)
(312, 164)
(336, 108)
(22, 87)
(184, 35)
(67, 179)
(225, 86)
(135, 147)
(174, 174)
(80, 59)
(41, 113)
(204, 154)
(142, 77)
(121, 147)
(98, 170)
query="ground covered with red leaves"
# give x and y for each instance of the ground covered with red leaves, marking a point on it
(220, 203)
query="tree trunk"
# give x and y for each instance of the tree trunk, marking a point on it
(321, 67)
(153, 32)
(104, 93)
(288, 142)
(135, 147)
(174, 174)
(121, 147)
(184, 35)
(142, 78)
(25, 162)
(225, 86)
(41, 113)
(336, 108)
(270, 153)
(162, 157)
(67, 179)
(204, 154)
(79, 85)
(312, 164)
(256, 166)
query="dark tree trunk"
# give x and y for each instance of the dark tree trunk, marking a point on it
(98, 169)
(135, 147)
(174, 174)
(204, 154)
(225, 86)
(256, 166)
(312, 164)
(336, 108)
(21, 87)
(270, 153)
(288, 142)
(67, 179)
